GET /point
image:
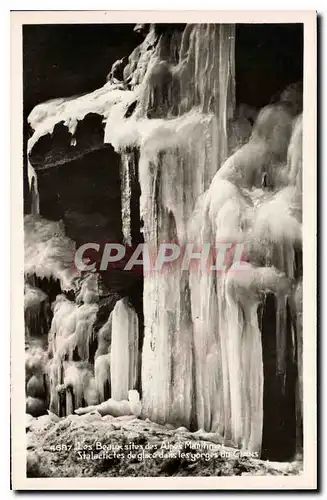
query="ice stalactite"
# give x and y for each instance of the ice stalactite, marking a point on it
(298, 314)
(126, 198)
(37, 312)
(180, 127)
(80, 386)
(71, 329)
(173, 173)
(33, 186)
(226, 330)
(69, 340)
(72, 385)
(48, 252)
(124, 350)
(185, 99)
(294, 163)
(102, 376)
(224, 304)
(218, 217)
(295, 177)
(128, 179)
(278, 234)
(72, 380)
(244, 292)
(71, 334)
(45, 116)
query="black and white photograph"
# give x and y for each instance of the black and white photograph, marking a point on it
(165, 209)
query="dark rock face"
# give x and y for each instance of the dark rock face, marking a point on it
(279, 425)
(85, 193)
(65, 60)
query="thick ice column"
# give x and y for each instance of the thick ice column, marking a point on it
(208, 365)
(124, 350)
(207, 69)
(245, 370)
(170, 184)
(253, 375)
(172, 178)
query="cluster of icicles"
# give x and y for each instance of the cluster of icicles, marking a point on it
(112, 371)
(202, 354)
(61, 374)
(202, 358)
(226, 334)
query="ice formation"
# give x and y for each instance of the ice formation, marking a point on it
(124, 350)
(202, 333)
(224, 307)
(37, 311)
(130, 406)
(36, 379)
(33, 185)
(45, 116)
(48, 252)
(71, 329)
(179, 125)
(202, 360)
(102, 376)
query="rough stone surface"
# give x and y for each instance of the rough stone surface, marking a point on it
(55, 449)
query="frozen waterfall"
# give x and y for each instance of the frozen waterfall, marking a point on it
(202, 357)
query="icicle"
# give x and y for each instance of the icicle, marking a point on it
(298, 310)
(71, 328)
(124, 350)
(37, 311)
(294, 162)
(102, 375)
(281, 337)
(126, 180)
(245, 366)
(275, 234)
(33, 185)
(79, 385)
(178, 159)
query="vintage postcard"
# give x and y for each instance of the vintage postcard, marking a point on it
(163, 250)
